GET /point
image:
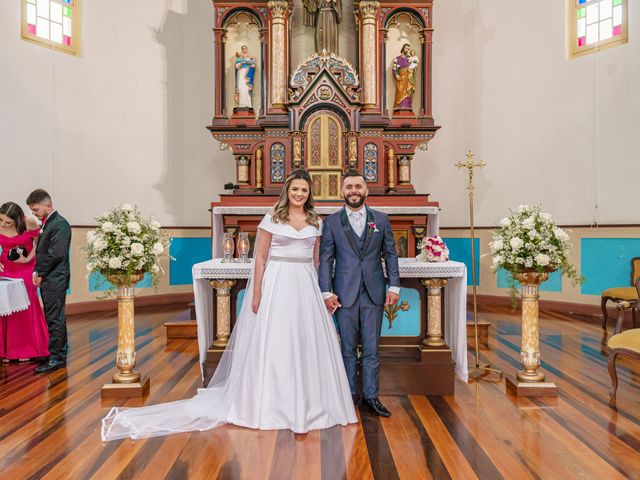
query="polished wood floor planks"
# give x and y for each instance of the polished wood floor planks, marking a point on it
(50, 425)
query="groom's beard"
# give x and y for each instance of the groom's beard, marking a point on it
(355, 203)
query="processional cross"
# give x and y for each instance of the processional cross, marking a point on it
(480, 369)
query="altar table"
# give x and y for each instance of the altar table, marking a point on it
(13, 296)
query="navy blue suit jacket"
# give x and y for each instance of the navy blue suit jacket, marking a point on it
(354, 265)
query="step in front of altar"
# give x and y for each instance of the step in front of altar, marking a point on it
(404, 370)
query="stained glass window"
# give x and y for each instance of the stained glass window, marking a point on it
(52, 23)
(596, 24)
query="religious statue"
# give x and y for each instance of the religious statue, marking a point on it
(325, 15)
(404, 71)
(245, 66)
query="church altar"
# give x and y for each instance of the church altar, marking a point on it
(331, 86)
(218, 214)
(215, 316)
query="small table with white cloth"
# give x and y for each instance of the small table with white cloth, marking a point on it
(13, 296)
(434, 353)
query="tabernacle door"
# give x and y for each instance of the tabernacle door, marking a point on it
(325, 154)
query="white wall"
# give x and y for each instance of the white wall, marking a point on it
(552, 130)
(125, 121)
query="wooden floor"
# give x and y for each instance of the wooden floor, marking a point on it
(49, 425)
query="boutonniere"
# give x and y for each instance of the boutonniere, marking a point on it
(373, 227)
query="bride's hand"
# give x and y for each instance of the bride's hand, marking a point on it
(256, 303)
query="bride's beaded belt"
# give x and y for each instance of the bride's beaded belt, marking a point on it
(275, 258)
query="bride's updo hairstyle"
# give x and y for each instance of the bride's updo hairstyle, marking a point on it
(281, 209)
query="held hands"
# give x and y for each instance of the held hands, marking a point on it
(37, 280)
(392, 298)
(332, 304)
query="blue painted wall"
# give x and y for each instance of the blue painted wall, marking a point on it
(406, 324)
(460, 251)
(185, 252)
(554, 284)
(98, 283)
(606, 263)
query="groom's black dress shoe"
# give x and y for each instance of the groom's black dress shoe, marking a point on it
(50, 366)
(376, 407)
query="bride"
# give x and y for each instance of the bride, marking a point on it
(282, 368)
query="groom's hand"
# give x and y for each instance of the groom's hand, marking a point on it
(392, 298)
(332, 303)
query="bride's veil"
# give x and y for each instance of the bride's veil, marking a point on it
(210, 407)
(235, 353)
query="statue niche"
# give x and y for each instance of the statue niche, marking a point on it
(404, 64)
(243, 70)
(325, 15)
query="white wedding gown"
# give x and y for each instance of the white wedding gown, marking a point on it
(282, 368)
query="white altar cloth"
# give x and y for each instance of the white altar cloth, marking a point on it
(433, 216)
(13, 296)
(455, 321)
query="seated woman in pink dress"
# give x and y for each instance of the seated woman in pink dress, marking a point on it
(23, 335)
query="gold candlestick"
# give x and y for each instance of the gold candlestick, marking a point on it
(480, 368)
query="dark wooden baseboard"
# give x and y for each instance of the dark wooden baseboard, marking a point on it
(143, 301)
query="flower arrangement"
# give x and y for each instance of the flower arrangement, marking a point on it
(433, 249)
(125, 243)
(529, 240)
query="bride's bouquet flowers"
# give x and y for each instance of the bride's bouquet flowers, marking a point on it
(529, 240)
(125, 243)
(433, 249)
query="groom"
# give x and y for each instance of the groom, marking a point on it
(356, 237)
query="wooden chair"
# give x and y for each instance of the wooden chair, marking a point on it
(625, 343)
(619, 294)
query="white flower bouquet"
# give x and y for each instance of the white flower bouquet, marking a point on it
(529, 240)
(125, 243)
(433, 249)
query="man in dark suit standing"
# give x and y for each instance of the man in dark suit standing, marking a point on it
(52, 273)
(356, 237)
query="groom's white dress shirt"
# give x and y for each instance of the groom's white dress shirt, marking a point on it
(358, 220)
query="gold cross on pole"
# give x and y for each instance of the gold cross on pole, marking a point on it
(470, 165)
(481, 368)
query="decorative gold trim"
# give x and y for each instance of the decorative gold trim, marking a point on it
(434, 288)
(223, 311)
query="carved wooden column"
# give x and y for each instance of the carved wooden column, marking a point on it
(434, 288)
(369, 63)
(279, 13)
(259, 166)
(391, 173)
(220, 36)
(223, 311)
(297, 149)
(352, 157)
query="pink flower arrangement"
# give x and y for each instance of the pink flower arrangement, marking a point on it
(433, 249)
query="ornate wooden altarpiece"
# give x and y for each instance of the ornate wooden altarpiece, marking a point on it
(324, 115)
